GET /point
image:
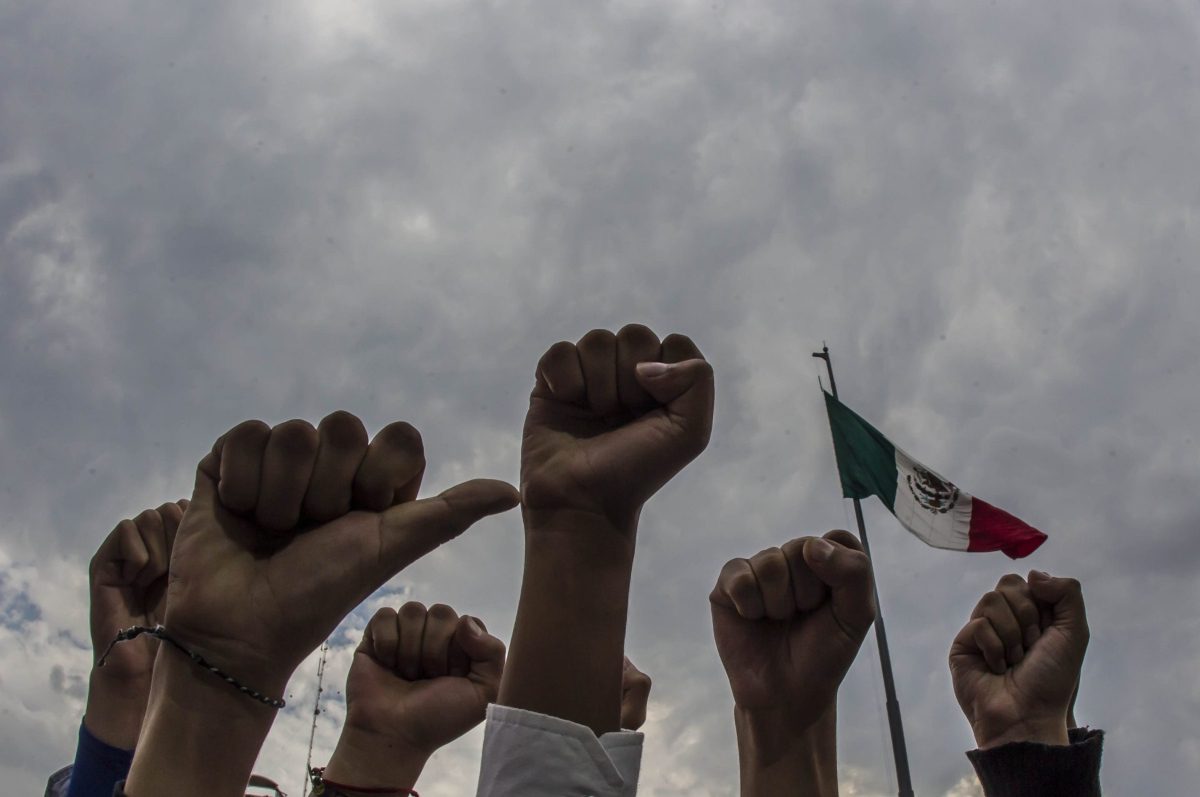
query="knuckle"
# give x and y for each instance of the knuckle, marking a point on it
(342, 429)
(844, 538)
(770, 564)
(295, 436)
(742, 584)
(248, 430)
(404, 435)
(440, 611)
(793, 548)
(412, 610)
(992, 600)
(559, 352)
(637, 336)
(677, 340)
(597, 338)
(383, 614)
(1010, 580)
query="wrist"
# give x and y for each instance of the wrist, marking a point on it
(578, 532)
(115, 708)
(1039, 730)
(194, 719)
(776, 756)
(375, 760)
(566, 654)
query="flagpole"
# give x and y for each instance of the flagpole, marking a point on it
(899, 751)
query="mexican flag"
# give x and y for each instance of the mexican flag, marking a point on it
(929, 506)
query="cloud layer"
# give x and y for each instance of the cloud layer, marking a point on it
(210, 213)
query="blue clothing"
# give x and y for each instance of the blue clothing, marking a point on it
(98, 767)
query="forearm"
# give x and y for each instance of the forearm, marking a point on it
(373, 761)
(567, 650)
(115, 709)
(200, 736)
(775, 762)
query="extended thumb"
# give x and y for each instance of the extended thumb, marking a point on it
(413, 529)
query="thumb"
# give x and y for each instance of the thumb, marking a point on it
(485, 651)
(1065, 598)
(684, 388)
(204, 494)
(413, 529)
(851, 583)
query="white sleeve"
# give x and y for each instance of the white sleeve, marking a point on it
(526, 754)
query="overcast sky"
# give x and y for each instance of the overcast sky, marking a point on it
(213, 211)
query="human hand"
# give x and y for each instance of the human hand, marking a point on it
(635, 695)
(611, 419)
(1015, 665)
(288, 529)
(128, 581)
(788, 623)
(420, 679)
(423, 676)
(292, 527)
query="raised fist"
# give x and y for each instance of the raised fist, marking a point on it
(422, 677)
(128, 580)
(635, 695)
(1016, 663)
(788, 623)
(611, 419)
(291, 527)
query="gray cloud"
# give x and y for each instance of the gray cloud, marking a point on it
(208, 214)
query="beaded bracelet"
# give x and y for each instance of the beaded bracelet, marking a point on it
(161, 633)
(323, 787)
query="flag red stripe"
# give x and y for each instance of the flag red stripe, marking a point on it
(993, 529)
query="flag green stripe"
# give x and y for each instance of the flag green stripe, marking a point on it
(866, 459)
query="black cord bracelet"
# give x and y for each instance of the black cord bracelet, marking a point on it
(161, 633)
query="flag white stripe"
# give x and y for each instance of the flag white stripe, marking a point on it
(930, 506)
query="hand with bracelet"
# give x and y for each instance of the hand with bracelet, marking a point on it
(788, 623)
(289, 528)
(128, 580)
(420, 679)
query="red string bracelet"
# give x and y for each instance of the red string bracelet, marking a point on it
(319, 779)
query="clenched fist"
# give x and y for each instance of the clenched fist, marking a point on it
(788, 623)
(611, 419)
(291, 527)
(420, 679)
(1016, 663)
(128, 580)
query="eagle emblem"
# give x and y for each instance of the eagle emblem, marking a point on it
(931, 492)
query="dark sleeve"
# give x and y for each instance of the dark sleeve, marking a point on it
(97, 766)
(1030, 769)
